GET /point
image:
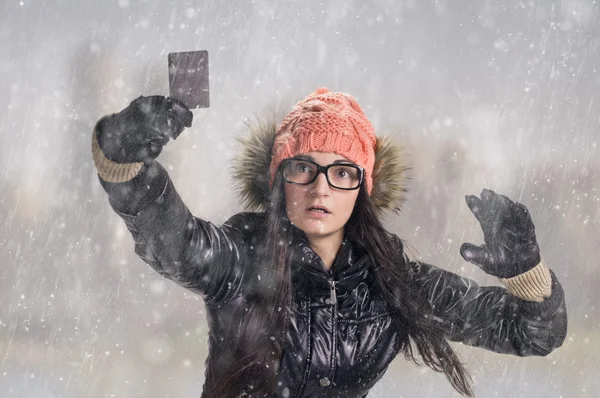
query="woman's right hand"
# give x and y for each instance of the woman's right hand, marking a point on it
(139, 132)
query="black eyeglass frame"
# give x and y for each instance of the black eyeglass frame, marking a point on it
(324, 170)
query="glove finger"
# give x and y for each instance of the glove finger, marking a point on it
(164, 108)
(151, 105)
(180, 112)
(517, 219)
(175, 129)
(497, 202)
(156, 147)
(142, 111)
(526, 223)
(522, 209)
(476, 207)
(136, 103)
(499, 209)
(478, 255)
(153, 137)
(159, 112)
(508, 207)
(483, 215)
(522, 214)
(146, 134)
(492, 201)
(166, 125)
(487, 194)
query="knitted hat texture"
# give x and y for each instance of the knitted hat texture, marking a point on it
(326, 122)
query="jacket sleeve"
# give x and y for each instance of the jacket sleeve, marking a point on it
(490, 317)
(191, 252)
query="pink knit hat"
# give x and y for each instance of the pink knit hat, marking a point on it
(327, 122)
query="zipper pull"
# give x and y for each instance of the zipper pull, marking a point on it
(332, 295)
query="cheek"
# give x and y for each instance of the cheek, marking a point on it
(292, 199)
(348, 205)
(289, 198)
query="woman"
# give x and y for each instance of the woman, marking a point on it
(312, 296)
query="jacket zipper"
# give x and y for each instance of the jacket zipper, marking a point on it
(332, 292)
(334, 303)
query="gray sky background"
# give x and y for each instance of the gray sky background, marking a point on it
(490, 94)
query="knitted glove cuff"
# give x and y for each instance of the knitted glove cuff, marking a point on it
(111, 171)
(533, 285)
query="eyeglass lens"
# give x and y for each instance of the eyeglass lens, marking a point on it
(339, 176)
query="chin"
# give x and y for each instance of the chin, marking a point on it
(316, 228)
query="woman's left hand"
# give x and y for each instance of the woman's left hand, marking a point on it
(510, 246)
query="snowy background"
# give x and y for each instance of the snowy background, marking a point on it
(487, 94)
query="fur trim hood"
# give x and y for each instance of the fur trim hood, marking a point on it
(251, 169)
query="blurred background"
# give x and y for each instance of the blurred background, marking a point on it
(489, 94)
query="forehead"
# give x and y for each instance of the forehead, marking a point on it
(322, 158)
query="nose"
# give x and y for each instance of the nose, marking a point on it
(320, 187)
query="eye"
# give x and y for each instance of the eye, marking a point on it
(342, 173)
(302, 168)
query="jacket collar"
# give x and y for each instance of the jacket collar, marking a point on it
(351, 266)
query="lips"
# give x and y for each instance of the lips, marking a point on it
(318, 209)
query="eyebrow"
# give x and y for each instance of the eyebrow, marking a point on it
(308, 157)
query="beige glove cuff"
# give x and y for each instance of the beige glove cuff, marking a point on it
(110, 171)
(533, 285)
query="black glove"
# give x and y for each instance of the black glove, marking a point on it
(510, 246)
(139, 132)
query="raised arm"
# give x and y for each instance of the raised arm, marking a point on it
(529, 316)
(193, 253)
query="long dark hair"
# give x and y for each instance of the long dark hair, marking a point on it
(261, 339)
(402, 295)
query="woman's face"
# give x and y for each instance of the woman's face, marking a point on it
(300, 201)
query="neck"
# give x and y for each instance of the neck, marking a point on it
(326, 247)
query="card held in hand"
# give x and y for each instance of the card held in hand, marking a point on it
(188, 78)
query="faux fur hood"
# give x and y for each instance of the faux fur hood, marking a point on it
(251, 169)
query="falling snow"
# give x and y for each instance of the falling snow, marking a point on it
(500, 95)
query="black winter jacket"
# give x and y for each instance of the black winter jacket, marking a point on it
(341, 336)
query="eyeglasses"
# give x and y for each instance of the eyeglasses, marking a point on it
(344, 176)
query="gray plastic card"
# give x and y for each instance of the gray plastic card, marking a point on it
(188, 78)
